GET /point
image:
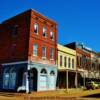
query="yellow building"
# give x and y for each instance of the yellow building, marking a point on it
(67, 77)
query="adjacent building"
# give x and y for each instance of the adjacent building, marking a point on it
(95, 67)
(28, 53)
(66, 62)
(83, 62)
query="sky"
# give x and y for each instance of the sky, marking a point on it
(78, 20)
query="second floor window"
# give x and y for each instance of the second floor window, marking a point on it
(51, 53)
(43, 51)
(60, 60)
(44, 32)
(72, 63)
(36, 28)
(65, 63)
(68, 62)
(35, 49)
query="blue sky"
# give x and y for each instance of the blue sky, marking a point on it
(78, 20)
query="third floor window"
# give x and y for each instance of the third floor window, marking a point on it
(36, 28)
(52, 35)
(44, 32)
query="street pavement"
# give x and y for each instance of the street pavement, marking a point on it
(54, 95)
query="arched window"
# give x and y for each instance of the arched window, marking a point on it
(36, 28)
(52, 73)
(43, 71)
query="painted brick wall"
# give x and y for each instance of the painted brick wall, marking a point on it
(14, 47)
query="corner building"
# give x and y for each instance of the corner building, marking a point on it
(28, 53)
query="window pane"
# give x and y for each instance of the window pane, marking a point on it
(65, 61)
(72, 63)
(43, 51)
(60, 60)
(51, 53)
(68, 62)
(36, 28)
(52, 35)
(35, 49)
(44, 32)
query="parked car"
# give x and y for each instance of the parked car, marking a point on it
(92, 85)
(98, 84)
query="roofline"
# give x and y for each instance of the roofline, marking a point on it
(30, 11)
(51, 20)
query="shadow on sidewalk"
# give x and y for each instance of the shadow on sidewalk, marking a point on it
(92, 96)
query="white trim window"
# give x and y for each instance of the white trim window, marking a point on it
(44, 32)
(73, 63)
(36, 28)
(52, 35)
(44, 52)
(35, 50)
(69, 62)
(51, 53)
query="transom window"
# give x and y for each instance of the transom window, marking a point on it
(36, 28)
(35, 50)
(43, 51)
(52, 73)
(43, 71)
(44, 32)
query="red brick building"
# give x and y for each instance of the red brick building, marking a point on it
(28, 47)
(83, 64)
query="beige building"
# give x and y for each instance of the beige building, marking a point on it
(67, 77)
(95, 68)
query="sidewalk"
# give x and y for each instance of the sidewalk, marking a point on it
(72, 93)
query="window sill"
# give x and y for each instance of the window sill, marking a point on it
(51, 59)
(44, 58)
(35, 55)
